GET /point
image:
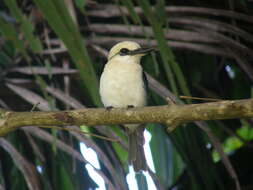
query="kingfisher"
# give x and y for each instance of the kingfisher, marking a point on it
(122, 85)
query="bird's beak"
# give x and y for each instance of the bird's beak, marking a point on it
(142, 51)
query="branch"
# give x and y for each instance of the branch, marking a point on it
(110, 11)
(110, 41)
(171, 115)
(208, 49)
(140, 31)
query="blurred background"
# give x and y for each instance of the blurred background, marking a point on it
(52, 53)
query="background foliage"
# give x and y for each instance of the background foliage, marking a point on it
(53, 52)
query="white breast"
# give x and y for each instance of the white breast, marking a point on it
(121, 84)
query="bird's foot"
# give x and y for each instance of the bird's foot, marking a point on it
(109, 108)
(130, 106)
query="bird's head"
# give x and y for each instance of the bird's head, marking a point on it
(128, 50)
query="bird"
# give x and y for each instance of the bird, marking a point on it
(122, 86)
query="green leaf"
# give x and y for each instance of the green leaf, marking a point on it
(81, 4)
(121, 153)
(4, 59)
(130, 6)
(246, 132)
(33, 41)
(141, 181)
(59, 19)
(162, 150)
(9, 32)
(168, 59)
(160, 13)
(25, 26)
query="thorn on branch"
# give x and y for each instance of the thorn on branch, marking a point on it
(170, 101)
(172, 124)
(34, 106)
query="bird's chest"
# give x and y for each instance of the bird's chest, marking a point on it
(122, 85)
(122, 77)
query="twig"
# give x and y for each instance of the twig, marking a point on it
(197, 98)
(80, 132)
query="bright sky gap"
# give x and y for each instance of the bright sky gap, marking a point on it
(91, 156)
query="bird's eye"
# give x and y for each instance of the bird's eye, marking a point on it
(124, 51)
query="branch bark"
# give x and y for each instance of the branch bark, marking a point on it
(171, 115)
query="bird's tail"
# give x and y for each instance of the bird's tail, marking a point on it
(136, 154)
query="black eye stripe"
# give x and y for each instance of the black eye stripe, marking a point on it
(124, 51)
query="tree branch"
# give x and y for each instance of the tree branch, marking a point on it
(171, 115)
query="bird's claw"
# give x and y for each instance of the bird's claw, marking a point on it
(109, 108)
